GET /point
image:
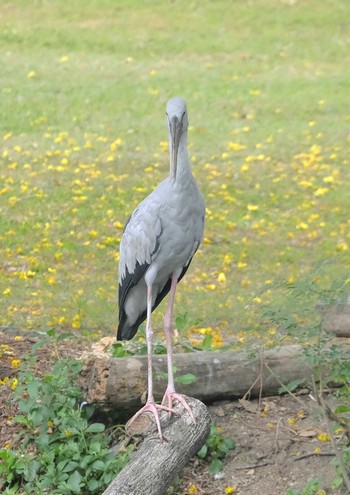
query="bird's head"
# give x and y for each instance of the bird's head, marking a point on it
(176, 113)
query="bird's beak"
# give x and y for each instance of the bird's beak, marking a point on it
(175, 127)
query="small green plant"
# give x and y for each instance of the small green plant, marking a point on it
(215, 449)
(311, 488)
(308, 305)
(185, 379)
(58, 451)
(290, 387)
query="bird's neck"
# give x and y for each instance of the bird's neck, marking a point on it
(183, 166)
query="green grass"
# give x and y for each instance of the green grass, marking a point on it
(83, 93)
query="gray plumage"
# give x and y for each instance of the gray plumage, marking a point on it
(162, 234)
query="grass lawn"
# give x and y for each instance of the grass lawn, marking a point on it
(83, 88)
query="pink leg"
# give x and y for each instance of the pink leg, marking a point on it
(170, 394)
(150, 405)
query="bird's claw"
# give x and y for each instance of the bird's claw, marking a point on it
(153, 408)
(169, 397)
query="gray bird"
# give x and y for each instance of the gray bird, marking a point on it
(158, 243)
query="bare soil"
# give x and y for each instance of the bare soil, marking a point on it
(278, 446)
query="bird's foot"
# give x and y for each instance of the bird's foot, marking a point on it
(152, 408)
(169, 398)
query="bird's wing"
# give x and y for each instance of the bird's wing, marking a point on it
(140, 242)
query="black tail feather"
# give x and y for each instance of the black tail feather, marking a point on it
(127, 332)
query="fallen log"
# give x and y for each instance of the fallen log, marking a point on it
(155, 464)
(335, 317)
(122, 382)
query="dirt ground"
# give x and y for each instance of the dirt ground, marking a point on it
(281, 443)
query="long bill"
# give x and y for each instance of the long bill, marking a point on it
(175, 134)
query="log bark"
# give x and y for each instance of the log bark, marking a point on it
(122, 382)
(155, 464)
(335, 318)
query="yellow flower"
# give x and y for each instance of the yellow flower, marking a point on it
(323, 437)
(118, 225)
(31, 74)
(14, 384)
(302, 226)
(254, 92)
(342, 246)
(321, 191)
(221, 277)
(51, 280)
(204, 331)
(15, 363)
(210, 286)
(6, 292)
(230, 489)
(251, 207)
(68, 433)
(235, 146)
(153, 91)
(192, 490)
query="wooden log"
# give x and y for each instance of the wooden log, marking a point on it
(122, 382)
(335, 317)
(155, 464)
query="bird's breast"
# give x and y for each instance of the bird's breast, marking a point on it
(182, 230)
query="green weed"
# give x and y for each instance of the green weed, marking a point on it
(301, 317)
(57, 450)
(215, 449)
(311, 488)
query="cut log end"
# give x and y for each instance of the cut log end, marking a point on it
(156, 463)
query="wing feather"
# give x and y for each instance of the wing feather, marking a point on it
(140, 241)
(127, 332)
(140, 238)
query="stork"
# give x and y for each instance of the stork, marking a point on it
(158, 243)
